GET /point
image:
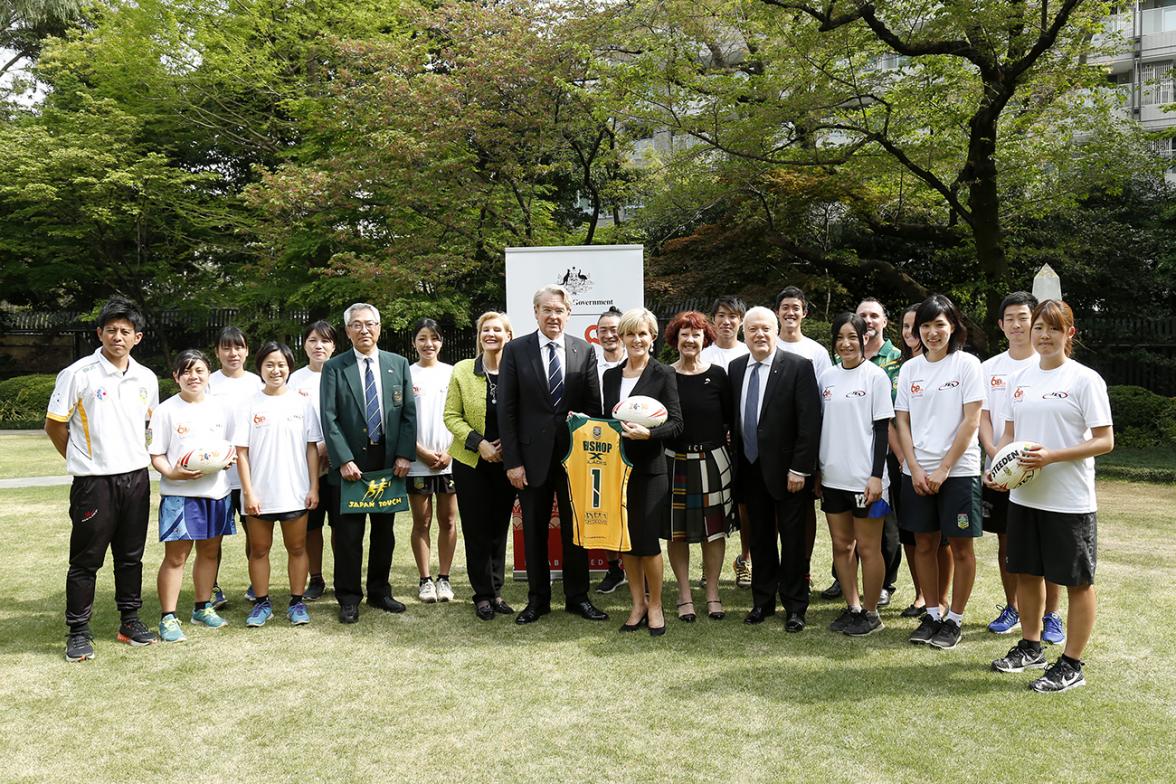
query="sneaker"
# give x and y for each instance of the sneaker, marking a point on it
(613, 580)
(863, 624)
(250, 596)
(884, 598)
(1052, 630)
(206, 616)
(314, 590)
(913, 611)
(948, 635)
(169, 629)
(1008, 620)
(842, 622)
(444, 590)
(1019, 659)
(832, 592)
(219, 600)
(742, 572)
(79, 646)
(1062, 676)
(261, 612)
(427, 593)
(134, 633)
(298, 614)
(928, 628)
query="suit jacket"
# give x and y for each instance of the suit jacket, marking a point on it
(465, 410)
(342, 406)
(659, 382)
(533, 431)
(789, 427)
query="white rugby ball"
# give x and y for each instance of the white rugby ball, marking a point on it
(208, 457)
(1006, 471)
(640, 410)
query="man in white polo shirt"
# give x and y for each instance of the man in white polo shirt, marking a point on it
(97, 420)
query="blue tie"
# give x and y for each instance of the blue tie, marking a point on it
(555, 381)
(372, 405)
(751, 415)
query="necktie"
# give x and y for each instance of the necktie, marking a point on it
(555, 381)
(751, 415)
(372, 404)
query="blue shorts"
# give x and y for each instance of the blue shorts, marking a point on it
(195, 519)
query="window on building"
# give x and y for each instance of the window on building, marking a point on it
(1158, 85)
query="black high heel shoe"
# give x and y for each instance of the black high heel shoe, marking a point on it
(632, 627)
(657, 631)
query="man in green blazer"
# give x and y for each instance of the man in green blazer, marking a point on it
(369, 423)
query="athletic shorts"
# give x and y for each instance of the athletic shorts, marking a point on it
(954, 511)
(994, 506)
(1059, 546)
(837, 501)
(183, 519)
(279, 517)
(434, 484)
(328, 506)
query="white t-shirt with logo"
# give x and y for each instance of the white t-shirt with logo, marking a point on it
(852, 400)
(997, 372)
(1057, 409)
(716, 355)
(276, 430)
(306, 382)
(235, 392)
(430, 387)
(178, 426)
(811, 350)
(934, 394)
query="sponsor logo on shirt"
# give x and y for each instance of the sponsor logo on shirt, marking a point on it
(1055, 395)
(181, 429)
(997, 382)
(416, 391)
(259, 419)
(1018, 393)
(827, 393)
(950, 385)
(100, 393)
(143, 395)
(856, 393)
(916, 389)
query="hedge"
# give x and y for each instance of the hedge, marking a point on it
(24, 399)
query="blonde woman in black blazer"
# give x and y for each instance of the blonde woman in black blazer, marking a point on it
(649, 484)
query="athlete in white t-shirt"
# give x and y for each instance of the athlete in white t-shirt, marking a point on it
(609, 354)
(1060, 406)
(937, 412)
(277, 435)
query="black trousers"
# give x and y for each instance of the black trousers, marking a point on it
(349, 529)
(106, 511)
(780, 565)
(535, 501)
(485, 498)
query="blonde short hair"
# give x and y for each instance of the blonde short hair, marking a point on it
(635, 319)
(555, 289)
(490, 315)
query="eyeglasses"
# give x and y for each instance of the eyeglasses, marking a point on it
(364, 326)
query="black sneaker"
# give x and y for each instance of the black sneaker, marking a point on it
(1019, 659)
(863, 624)
(947, 636)
(913, 611)
(79, 646)
(1062, 676)
(612, 581)
(133, 632)
(928, 628)
(842, 622)
(314, 590)
(832, 592)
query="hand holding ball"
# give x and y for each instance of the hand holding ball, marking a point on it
(640, 410)
(208, 458)
(1007, 472)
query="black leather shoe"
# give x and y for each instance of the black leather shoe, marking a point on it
(587, 611)
(484, 610)
(530, 614)
(387, 604)
(758, 615)
(657, 631)
(632, 627)
(502, 608)
(795, 622)
(348, 613)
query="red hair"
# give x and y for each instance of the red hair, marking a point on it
(1057, 315)
(691, 319)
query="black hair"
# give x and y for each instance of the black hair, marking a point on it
(613, 310)
(939, 305)
(731, 303)
(791, 292)
(857, 322)
(186, 359)
(231, 336)
(269, 347)
(877, 302)
(121, 308)
(429, 324)
(321, 328)
(1014, 299)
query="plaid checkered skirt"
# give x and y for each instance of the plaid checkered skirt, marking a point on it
(701, 507)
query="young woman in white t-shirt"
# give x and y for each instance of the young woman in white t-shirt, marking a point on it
(1061, 407)
(195, 509)
(855, 398)
(430, 477)
(937, 414)
(277, 437)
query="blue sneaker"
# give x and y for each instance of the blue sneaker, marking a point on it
(250, 596)
(219, 600)
(298, 614)
(1008, 620)
(206, 616)
(1052, 630)
(261, 612)
(169, 629)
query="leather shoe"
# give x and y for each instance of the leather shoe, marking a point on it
(502, 608)
(484, 610)
(795, 622)
(758, 615)
(632, 627)
(348, 613)
(530, 614)
(387, 604)
(587, 611)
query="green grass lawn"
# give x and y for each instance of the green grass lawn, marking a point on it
(29, 454)
(436, 696)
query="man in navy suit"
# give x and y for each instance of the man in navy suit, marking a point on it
(543, 377)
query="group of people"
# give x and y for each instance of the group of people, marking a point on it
(892, 440)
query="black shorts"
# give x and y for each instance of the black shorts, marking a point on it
(1059, 546)
(279, 517)
(837, 501)
(954, 510)
(994, 507)
(328, 505)
(435, 484)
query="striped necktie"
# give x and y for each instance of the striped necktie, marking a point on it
(555, 380)
(372, 405)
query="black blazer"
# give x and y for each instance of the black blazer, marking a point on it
(789, 427)
(534, 432)
(659, 382)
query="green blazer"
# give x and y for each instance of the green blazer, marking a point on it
(465, 410)
(341, 408)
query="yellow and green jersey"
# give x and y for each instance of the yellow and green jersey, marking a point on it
(598, 479)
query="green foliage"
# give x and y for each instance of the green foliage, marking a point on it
(24, 399)
(1142, 418)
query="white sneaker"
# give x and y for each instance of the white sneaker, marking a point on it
(444, 590)
(427, 593)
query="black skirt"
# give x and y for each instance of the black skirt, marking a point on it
(649, 510)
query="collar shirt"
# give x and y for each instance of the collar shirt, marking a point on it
(560, 351)
(765, 370)
(361, 368)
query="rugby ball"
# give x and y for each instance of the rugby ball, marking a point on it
(208, 457)
(640, 410)
(1006, 471)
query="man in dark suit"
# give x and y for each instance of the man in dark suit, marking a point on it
(369, 423)
(542, 377)
(777, 436)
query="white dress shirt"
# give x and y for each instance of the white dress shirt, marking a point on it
(764, 372)
(361, 368)
(544, 341)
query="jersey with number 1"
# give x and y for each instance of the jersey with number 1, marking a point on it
(598, 479)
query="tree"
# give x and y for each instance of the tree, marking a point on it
(25, 24)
